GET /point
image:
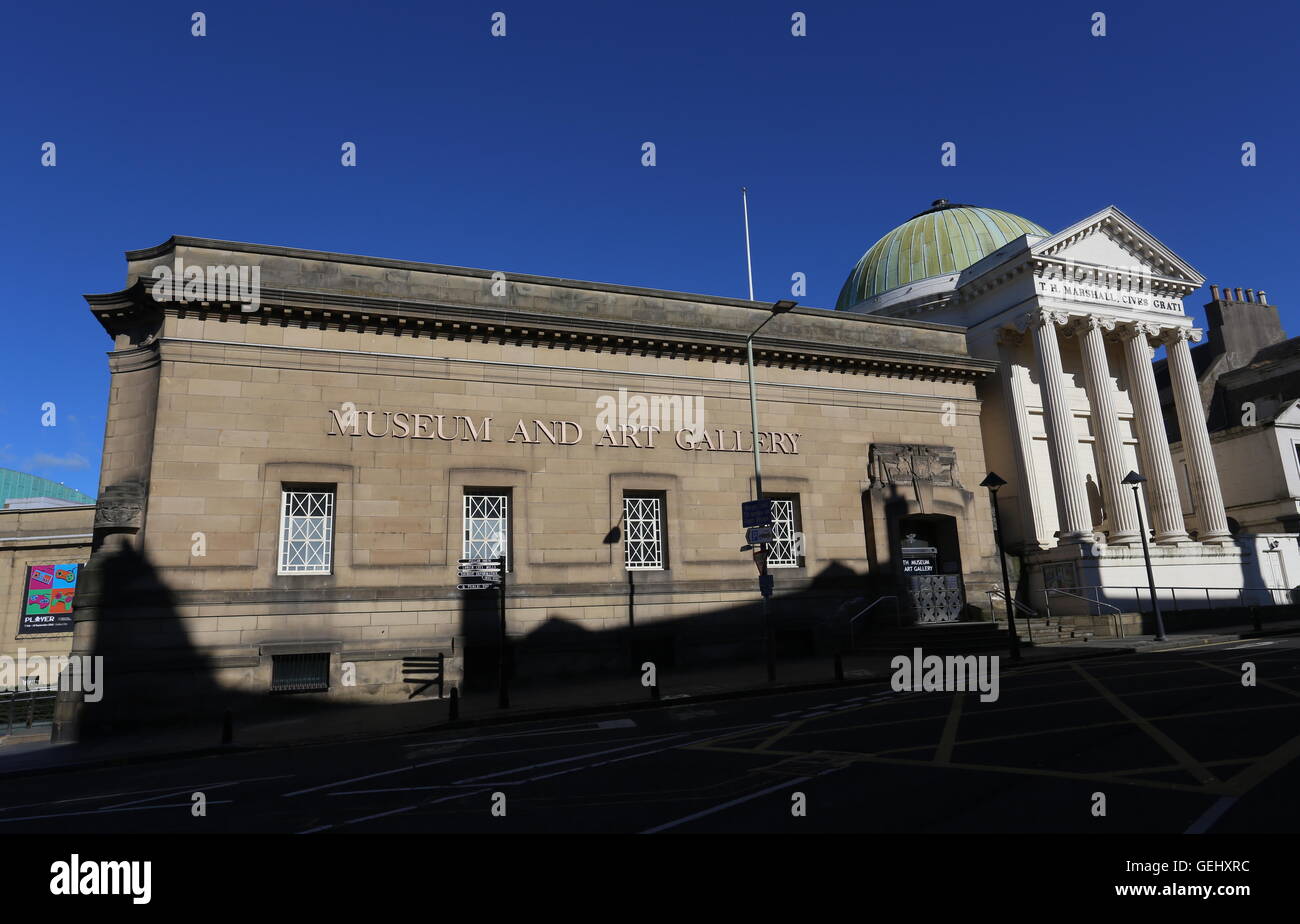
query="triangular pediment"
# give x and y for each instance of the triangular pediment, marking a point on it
(1112, 241)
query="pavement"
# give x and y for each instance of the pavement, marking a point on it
(31, 751)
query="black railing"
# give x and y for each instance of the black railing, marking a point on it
(26, 707)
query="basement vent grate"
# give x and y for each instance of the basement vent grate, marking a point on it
(300, 673)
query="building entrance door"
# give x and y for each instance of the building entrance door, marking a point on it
(930, 568)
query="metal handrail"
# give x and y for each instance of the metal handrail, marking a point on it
(1119, 623)
(1241, 595)
(1029, 611)
(869, 607)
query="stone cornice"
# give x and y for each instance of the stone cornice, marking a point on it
(168, 246)
(131, 308)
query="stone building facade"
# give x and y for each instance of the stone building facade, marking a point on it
(44, 538)
(293, 481)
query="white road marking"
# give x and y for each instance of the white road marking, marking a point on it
(193, 789)
(541, 776)
(368, 776)
(131, 792)
(726, 805)
(1251, 645)
(1212, 814)
(397, 811)
(617, 723)
(108, 811)
(566, 760)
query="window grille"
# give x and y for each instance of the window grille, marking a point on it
(487, 526)
(643, 520)
(306, 532)
(784, 549)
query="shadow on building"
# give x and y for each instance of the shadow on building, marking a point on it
(808, 620)
(152, 673)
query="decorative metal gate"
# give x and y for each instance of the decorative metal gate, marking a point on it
(936, 597)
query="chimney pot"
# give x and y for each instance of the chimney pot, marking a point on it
(1240, 296)
(1263, 298)
(1250, 295)
(1214, 293)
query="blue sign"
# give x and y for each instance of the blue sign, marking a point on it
(756, 512)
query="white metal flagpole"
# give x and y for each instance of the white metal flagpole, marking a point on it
(749, 263)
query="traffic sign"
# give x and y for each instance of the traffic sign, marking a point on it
(481, 575)
(757, 534)
(474, 586)
(479, 563)
(756, 512)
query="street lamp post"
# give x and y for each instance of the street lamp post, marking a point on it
(780, 307)
(1134, 480)
(992, 481)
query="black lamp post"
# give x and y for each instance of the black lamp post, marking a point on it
(781, 307)
(993, 482)
(1134, 480)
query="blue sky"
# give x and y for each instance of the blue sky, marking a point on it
(523, 153)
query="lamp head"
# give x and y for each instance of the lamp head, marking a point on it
(1133, 478)
(783, 306)
(992, 481)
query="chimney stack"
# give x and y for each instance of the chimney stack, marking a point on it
(1240, 322)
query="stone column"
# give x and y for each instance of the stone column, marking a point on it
(1062, 443)
(1013, 391)
(1162, 491)
(1121, 518)
(1204, 476)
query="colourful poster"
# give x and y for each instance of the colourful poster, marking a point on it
(47, 600)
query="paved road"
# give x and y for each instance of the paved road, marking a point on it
(1173, 740)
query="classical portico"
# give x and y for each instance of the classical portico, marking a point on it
(1093, 332)
(1074, 319)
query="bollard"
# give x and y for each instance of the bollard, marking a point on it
(227, 728)
(839, 667)
(453, 708)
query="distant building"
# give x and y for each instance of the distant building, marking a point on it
(21, 489)
(1249, 378)
(45, 532)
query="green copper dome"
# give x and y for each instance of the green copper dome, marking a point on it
(945, 238)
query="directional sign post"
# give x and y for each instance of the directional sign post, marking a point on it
(503, 664)
(482, 573)
(756, 512)
(487, 574)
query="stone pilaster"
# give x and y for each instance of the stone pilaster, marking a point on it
(1013, 390)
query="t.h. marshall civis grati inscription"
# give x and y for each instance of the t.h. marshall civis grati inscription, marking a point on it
(418, 425)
